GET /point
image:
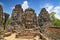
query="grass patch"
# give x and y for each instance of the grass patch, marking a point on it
(56, 22)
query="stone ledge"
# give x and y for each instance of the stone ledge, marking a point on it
(7, 34)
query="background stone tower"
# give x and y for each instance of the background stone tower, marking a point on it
(16, 14)
(43, 17)
(1, 28)
(1, 15)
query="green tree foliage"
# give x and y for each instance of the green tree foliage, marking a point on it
(52, 15)
(3, 23)
(54, 20)
(9, 20)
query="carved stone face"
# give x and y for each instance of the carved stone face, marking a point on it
(15, 15)
(29, 18)
(29, 15)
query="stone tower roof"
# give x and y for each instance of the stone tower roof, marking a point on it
(0, 7)
(18, 6)
(30, 9)
(43, 9)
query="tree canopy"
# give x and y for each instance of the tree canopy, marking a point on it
(54, 20)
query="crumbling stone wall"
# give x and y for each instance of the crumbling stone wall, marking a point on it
(6, 16)
(46, 27)
(1, 28)
(1, 15)
(53, 33)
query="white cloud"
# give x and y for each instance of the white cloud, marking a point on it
(12, 8)
(57, 10)
(52, 8)
(25, 5)
(57, 16)
(49, 7)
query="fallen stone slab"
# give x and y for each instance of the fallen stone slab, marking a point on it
(7, 34)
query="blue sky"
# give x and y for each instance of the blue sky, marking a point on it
(37, 5)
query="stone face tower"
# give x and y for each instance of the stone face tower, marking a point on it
(43, 17)
(1, 15)
(29, 22)
(16, 15)
(30, 18)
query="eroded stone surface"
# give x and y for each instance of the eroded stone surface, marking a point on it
(53, 33)
(43, 17)
(1, 15)
(16, 17)
(6, 16)
(30, 18)
(1, 28)
(29, 25)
